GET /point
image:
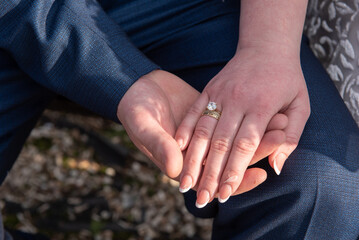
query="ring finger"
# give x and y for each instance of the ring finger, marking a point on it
(197, 151)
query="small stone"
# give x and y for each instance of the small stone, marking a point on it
(110, 172)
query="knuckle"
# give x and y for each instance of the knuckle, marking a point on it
(263, 103)
(221, 145)
(211, 178)
(293, 139)
(262, 110)
(237, 92)
(305, 109)
(191, 162)
(262, 115)
(202, 132)
(245, 146)
(261, 100)
(307, 112)
(194, 110)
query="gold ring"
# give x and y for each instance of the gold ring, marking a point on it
(211, 111)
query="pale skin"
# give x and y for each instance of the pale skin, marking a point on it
(153, 107)
(264, 78)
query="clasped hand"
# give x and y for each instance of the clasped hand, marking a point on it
(264, 104)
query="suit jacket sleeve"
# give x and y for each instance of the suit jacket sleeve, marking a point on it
(73, 48)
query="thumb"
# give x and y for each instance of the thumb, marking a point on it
(297, 118)
(162, 149)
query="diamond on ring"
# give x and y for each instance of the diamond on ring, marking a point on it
(212, 106)
(211, 111)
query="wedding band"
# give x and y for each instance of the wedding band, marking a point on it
(211, 111)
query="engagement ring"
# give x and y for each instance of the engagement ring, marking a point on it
(212, 111)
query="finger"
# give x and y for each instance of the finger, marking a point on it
(271, 141)
(252, 178)
(278, 122)
(197, 152)
(160, 147)
(188, 124)
(298, 115)
(219, 151)
(243, 149)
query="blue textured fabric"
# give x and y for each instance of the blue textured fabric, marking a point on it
(21, 103)
(73, 48)
(317, 194)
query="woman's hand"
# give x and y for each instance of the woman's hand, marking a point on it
(250, 90)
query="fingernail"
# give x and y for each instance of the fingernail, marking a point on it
(202, 199)
(231, 179)
(186, 184)
(180, 143)
(279, 161)
(224, 193)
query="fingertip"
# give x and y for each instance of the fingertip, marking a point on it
(271, 160)
(181, 137)
(262, 178)
(258, 175)
(185, 183)
(275, 167)
(172, 158)
(173, 167)
(278, 162)
(252, 178)
(172, 172)
(224, 193)
(271, 141)
(180, 143)
(203, 198)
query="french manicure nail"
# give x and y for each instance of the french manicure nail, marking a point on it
(186, 184)
(202, 199)
(279, 161)
(224, 193)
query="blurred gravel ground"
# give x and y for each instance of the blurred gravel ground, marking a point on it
(63, 188)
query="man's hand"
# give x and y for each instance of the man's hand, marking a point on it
(150, 112)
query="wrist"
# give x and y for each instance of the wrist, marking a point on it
(283, 48)
(272, 24)
(268, 52)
